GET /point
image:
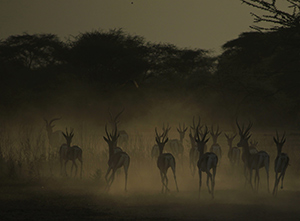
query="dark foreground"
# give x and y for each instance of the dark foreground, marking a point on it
(80, 200)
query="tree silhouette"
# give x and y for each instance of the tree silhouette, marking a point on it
(31, 51)
(178, 69)
(110, 57)
(278, 18)
(259, 69)
(278, 54)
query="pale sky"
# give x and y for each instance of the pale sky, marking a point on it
(204, 24)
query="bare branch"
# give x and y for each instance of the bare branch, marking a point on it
(276, 16)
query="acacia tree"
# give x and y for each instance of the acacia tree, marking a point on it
(32, 51)
(277, 17)
(285, 60)
(243, 79)
(111, 57)
(29, 67)
(258, 71)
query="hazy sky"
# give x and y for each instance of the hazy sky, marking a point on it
(205, 24)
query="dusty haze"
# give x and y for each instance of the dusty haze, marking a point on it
(24, 144)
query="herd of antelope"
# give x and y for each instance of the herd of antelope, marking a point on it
(200, 159)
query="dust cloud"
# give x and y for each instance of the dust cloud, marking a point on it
(31, 166)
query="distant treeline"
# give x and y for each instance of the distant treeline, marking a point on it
(257, 75)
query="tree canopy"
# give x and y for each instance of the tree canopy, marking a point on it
(256, 74)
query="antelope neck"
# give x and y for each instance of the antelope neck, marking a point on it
(111, 150)
(68, 144)
(279, 151)
(161, 149)
(201, 152)
(215, 140)
(246, 149)
(181, 138)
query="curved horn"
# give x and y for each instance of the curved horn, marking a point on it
(283, 138)
(51, 121)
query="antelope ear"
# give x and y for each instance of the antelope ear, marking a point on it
(284, 141)
(275, 140)
(206, 140)
(157, 141)
(105, 139)
(166, 140)
(64, 134)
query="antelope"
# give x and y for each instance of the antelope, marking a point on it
(117, 157)
(206, 162)
(165, 160)
(194, 153)
(281, 162)
(176, 145)
(155, 148)
(123, 136)
(233, 152)
(252, 161)
(55, 138)
(215, 147)
(68, 152)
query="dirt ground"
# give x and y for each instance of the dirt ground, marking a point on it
(75, 199)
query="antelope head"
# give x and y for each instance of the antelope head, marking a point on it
(68, 136)
(244, 134)
(111, 138)
(230, 139)
(49, 125)
(182, 131)
(215, 134)
(162, 139)
(201, 140)
(279, 142)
